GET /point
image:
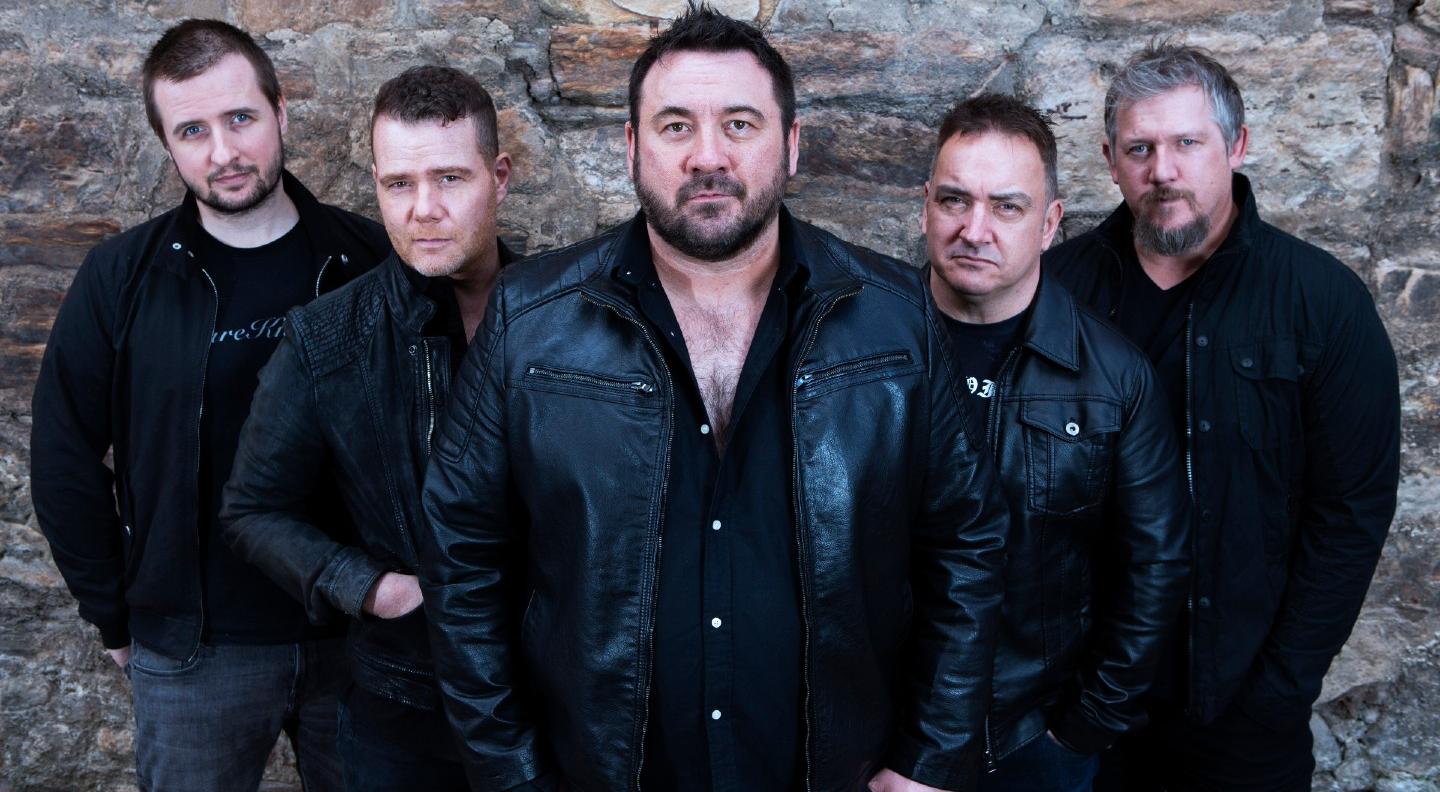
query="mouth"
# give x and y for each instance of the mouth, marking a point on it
(432, 243)
(971, 261)
(231, 179)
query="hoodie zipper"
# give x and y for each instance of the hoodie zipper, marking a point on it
(659, 534)
(795, 505)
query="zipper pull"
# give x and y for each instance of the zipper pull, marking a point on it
(641, 387)
(803, 380)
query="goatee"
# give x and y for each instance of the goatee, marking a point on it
(691, 234)
(1156, 238)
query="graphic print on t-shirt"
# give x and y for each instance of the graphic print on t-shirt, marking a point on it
(271, 329)
(980, 351)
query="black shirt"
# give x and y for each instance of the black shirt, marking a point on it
(1154, 319)
(980, 350)
(255, 287)
(725, 701)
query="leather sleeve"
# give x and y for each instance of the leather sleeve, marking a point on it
(71, 486)
(1350, 407)
(1149, 524)
(467, 569)
(958, 541)
(265, 514)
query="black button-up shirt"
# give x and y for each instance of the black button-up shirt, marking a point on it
(725, 703)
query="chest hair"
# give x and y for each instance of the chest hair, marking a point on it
(718, 338)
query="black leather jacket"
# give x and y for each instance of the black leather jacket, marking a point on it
(1097, 560)
(558, 441)
(125, 368)
(1293, 446)
(350, 400)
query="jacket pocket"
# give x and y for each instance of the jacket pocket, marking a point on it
(632, 390)
(869, 368)
(1068, 448)
(1267, 374)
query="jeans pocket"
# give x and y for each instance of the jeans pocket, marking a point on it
(145, 661)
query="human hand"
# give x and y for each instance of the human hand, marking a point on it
(393, 595)
(121, 656)
(891, 781)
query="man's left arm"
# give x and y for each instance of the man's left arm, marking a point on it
(957, 553)
(1350, 407)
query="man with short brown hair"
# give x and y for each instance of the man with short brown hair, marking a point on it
(154, 355)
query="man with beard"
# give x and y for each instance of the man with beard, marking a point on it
(1284, 387)
(760, 550)
(153, 356)
(352, 396)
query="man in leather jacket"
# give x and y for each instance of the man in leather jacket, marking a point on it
(351, 400)
(761, 552)
(153, 356)
(1284, 387)
(1096, 560)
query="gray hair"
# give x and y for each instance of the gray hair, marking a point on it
(1162, 67)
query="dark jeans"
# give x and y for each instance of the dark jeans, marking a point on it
(1042, 765)
(386, 746)
(1233, 754)
(210, 722)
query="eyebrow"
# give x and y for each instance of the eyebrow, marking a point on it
(1014, 196)
(684, 112)
(458, 170)
(180, 127)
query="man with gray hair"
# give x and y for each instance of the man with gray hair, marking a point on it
(1284, 386)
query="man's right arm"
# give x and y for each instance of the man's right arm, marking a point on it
(71, 486)
(266, 515)
(466, 571)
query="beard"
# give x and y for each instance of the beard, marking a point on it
(700, 234)
(1156, 238)
(265, 183)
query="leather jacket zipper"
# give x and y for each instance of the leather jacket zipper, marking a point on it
(659, 534)
(992, 430)
(795, 505)
(637, 386)
(429, 397)
(321, 274)
(860, 366)
(199, 421)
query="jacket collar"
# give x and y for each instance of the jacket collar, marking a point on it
(809, 261)
(1053, 330)
(1117, 231)
(186, 236)
(413, 296)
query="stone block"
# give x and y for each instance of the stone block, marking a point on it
(1213, 12)
(1412, 105)
(260, 17)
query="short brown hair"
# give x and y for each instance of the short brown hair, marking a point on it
(439, 93)
(991, 112)
(191, 48)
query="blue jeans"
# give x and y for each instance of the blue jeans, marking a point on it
(386, 746)
(1042, 765)
(209, 722)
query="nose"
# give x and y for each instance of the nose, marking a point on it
(708, 154)
(1163, 166)
(975, 226)
(221, 152)
(428, 206)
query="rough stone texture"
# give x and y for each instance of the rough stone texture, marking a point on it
(1340, 97)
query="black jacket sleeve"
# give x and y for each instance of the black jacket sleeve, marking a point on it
(71, 485)
(1350, 407)
(958, 542)
(280, 459)
(466, 564)
(1150, 522)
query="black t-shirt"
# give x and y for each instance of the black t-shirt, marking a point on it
(1154, 319)
(980, 351)
(255, 286)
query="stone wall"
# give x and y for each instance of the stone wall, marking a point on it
(1340, 96)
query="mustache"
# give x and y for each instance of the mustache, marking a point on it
(711, 184)
(1159, 194)
(984, 253)
(223, 172)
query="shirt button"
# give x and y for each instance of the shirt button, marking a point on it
(175, 246)
(1202, 341)
(715, 526)
(1072, 429)
(1204, 602)
(704, 428)
(715, 622)
(714, 714)
(1247, 363)
(1204, 426)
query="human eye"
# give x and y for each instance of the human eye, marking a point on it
(1008, 209)
(191, 131)
(397, 184)
(241, 118)
(676, 127)
(1139, 149)
(1188, 141)
(739, 125)
(449, 178)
